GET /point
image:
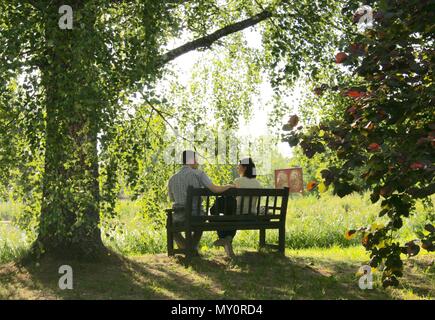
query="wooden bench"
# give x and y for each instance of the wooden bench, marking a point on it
(270, 213)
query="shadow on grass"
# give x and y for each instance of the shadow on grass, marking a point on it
(252, 275)
(266, 275)
(104, 280)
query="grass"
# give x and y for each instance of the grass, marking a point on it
(319, 262)
(301, 274)
(13, 242)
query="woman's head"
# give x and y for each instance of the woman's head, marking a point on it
(246, 168)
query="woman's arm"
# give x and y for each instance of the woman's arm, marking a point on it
(206, 181)
(220, 189)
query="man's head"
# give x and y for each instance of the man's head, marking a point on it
(189, 159)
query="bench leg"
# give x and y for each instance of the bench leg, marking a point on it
(170, 241)
(281, 243)
(189, 244)
(262, 238)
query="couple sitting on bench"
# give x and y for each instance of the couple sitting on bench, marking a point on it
(189, 175)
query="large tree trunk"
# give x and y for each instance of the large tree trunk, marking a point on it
(69, 221)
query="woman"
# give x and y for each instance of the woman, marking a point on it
(247, 172)
(247, 179)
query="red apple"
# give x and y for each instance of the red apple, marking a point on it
(340, 57)
(373, 147)
(355, 94)
(417, 165)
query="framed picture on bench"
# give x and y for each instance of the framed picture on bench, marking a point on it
(291, 178)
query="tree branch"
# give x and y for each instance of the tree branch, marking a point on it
(35, 4)
(208, 40)
(422, 192)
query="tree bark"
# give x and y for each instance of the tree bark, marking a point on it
(69, 221)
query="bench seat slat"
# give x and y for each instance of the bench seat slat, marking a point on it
(223, 226)
(241, 192)
(236, 218)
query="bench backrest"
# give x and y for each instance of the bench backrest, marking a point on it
(274, 201)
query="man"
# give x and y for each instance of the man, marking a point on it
(189, 175)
